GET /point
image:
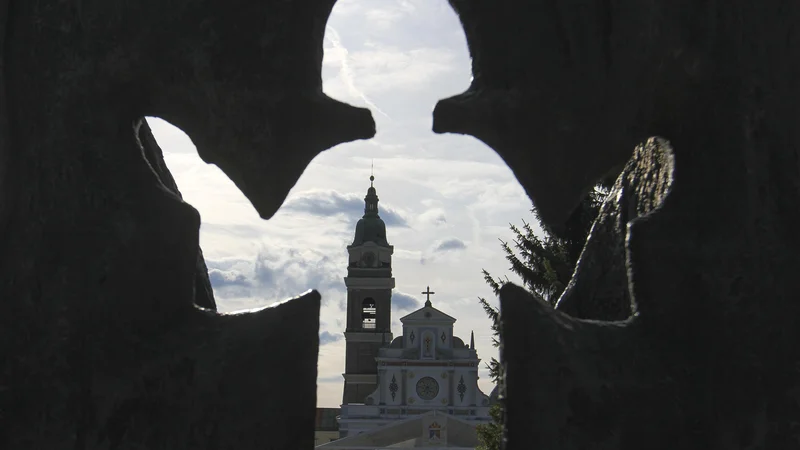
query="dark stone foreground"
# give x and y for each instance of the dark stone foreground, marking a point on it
(108, 336)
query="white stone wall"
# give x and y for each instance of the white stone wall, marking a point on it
(442, 375)
(470, 375)
(386, 386)
(436, 334)
(448, 379)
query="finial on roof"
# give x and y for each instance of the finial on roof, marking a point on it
(472, 340)
(371, 173)
(371, 200)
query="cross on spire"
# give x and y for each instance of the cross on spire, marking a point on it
(428, 293)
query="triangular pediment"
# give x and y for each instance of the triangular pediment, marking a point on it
(427, 314)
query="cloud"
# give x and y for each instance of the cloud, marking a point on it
(348, 206)
(293, 271)
(225, 278)
(330, 379)
(435, 217)
(443, 247)
(404, 302)
(327, 337)
(389, 69)
(386, 17)
(228, 282)
(275, 274)
(450, 244)
(340, 54)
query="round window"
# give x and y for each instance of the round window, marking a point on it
(427, 388)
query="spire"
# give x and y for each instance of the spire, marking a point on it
(370, 228)
(371, 200)
(472, 340)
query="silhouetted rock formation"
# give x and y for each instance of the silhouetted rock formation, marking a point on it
(102, 344)
(203, 292)
(563, 91)
(599, 287)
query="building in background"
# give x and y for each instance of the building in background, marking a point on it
(417, 390)
(326, 425)
(369, 285)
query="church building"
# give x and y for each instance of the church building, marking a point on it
(419, 389)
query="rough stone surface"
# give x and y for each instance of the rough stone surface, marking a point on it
(599, 287)
(563, 90)
(203, 292)
(587, 384)
(102, 343)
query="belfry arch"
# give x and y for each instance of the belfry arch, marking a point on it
(368, 314)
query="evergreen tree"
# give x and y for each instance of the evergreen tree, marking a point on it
(491, 435)
(545, 265)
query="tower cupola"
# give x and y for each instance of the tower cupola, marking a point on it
(371, 228)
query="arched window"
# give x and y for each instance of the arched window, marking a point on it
(428, 345)
(368, 314)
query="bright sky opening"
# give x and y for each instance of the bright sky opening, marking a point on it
(446, 199)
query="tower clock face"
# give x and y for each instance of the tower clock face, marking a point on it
(427, 388)
(368, 259)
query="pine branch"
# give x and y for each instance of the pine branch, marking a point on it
(545, 266)
(495, 285)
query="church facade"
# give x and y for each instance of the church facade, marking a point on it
(419, 389)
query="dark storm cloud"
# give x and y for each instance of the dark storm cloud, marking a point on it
(349, 206)
(403, 301)
(450, 244)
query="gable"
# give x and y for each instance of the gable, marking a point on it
(427, 314)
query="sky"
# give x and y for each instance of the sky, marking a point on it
(446, 199)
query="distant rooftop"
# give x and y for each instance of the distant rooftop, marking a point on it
(326, 419)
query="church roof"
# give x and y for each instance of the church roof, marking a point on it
(427, 314)
(460, 434)
(494, 396)
(325, 419)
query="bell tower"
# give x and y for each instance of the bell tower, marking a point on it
(369, 285)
